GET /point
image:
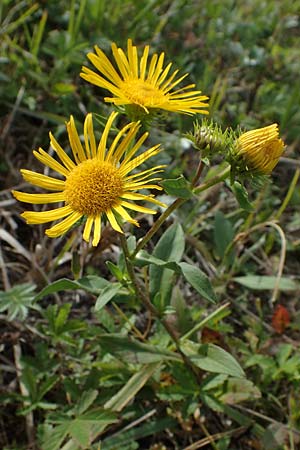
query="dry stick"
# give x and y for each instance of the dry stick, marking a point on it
(210, 439)
(29, 416)
(141, 294)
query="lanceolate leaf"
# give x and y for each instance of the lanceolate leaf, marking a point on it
(216, 359)
(169, 248)
(131, 388)
(198, 280)
(91, 283)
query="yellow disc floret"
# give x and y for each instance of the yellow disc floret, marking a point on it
(93, 187)
(144, 93)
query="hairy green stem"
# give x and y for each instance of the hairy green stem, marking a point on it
(178, 202)
(140, 293)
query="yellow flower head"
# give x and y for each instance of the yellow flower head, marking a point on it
(260, 149)
(95, 182)
(145, 86)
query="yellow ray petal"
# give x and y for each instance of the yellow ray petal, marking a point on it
(33, 217)
(77, 149)
(87, 228)
(158, 69)
(103, 64)
(61, 153)
(43, 181)
(102, 144)
(135, 148)
(63, 226)
(146, 198)
(97, 231)
(132, 58)
(113, 221)
(92, 77)
(135, 186)
(114, 156)
(89, 137)
(37, 199)
(143, 62)
(164, 74)
(124, 214)
(138, 208)
(146, 173)
(121, 61)
(48, 161)
(138, 160)
(152, 67)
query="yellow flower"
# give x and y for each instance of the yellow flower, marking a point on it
(260, 149)
(145, 86)
(96, 182)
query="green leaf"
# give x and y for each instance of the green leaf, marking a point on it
(135, 350)
(223, 233)
(178, 187)
(47, 385)
(144, 258)
(125, 437)
(62, 317)
(131, 388)
(258, 282)
(17, 300)
(239, 390)
(169, 248)
(106, 295)
(80, 432)
(198, 280)
(87, 399)
(63, 88)
(216, 359)
(91, 283)
(115, 270)
(242, 196)
(53, 439)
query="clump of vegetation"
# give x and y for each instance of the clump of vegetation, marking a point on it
(155, 305)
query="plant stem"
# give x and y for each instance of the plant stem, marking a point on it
(215, 180)
(178, 202)
(140, 293)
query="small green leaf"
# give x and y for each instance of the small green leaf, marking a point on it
(169, 248)
(144, 258)
(178, 187)
(223, 233)
(63, 88)
(216, 359)
(86, 400)
(239, 390)
(131, 388)
(135, 350)
(106, 295)
(242, 196)
(81, 433)
(258, 282)
(91, 283)
(17, 300)
(198, 280)
(115, 270)
(62, 317)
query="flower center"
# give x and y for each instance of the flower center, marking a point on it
(93, 187)
(143, 93)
